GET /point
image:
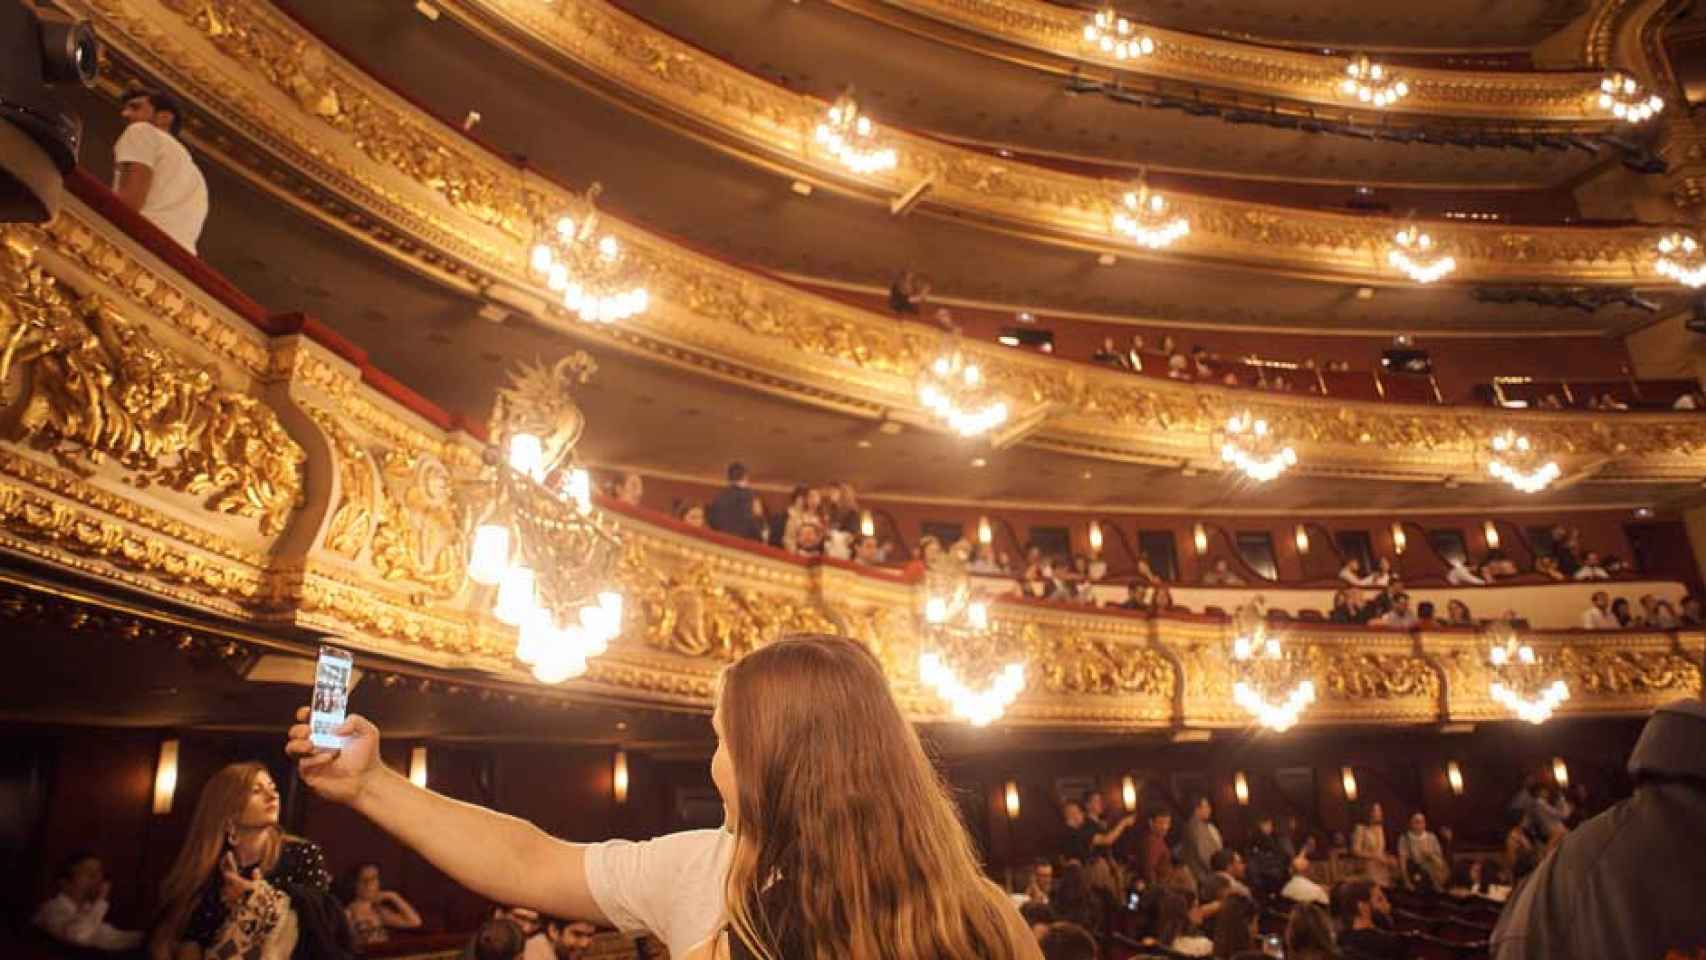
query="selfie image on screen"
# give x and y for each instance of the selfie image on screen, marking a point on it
(331, 695)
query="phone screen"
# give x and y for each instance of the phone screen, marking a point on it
(331, 696)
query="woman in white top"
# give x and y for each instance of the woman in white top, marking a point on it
(1368, 844)
(839, 839)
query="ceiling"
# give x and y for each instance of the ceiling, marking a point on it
(712, 201)
(925, 85)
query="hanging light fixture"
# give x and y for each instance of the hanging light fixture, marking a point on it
(1515, 461)
(1250, 446)
(1520, 681)
(1128, 793)
(1416, 256)
(1114, 36)
(1372, 83)
(956, 631)
(953, 389)
(851, 138)
(1681, 259)
(539, 539)
(1623, 98)
(1142, 216)
(1267, 684)
(588, 268)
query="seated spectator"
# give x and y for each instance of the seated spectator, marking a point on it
(630, 487)
(499, 938)
(1628, 882)
(1236, 926)
(737, 511)
(1220, 575)
(1399, 615)
(1309, 933)
(1547, 566)
(1068, 941)
(1365, 909)
(805, 506)
(1497, 566)
(1421, 859)
(865, 552)
(1693, 612)
(1299, 888)
(1469, 878)
(1382, 575)
(1459, 574)
(692, 514)
(1425, 618)
(908, 293)
(1352, 574)
(1176, 927)
(1109, 355)
(1229, 865)
(1135, 597)
(1230, 379)
(809, 540)
(1608, 402)
(1201, 369)
(1692, 400)
(1657, 614)
(1457, 614)
(568, 939)
(1591, 569)
(77, 914)
(153, 173)
(1075, 900)
(1617, 566)
(1621, 613)
(374, 912)
(1041, 882)
(1598, 616)
(1551, 402)
(984, 561)
(1347, 606)
(1134, 356)
(1035, 585)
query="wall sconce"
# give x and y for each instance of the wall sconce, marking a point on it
(1560, 773)
(619, 777)
(418, 767)
(1012, 797)
(1128, 793)
(1454, 776)
(166, 776)
(1095, 537)
(867, 524)
(1241, 788)
(1199, 536)
(984, 534)
(1301, 536)
(1490, 533)
(1348, 778)
(1399, 541)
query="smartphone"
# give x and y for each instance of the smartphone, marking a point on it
(1273, 946)
(331, 696)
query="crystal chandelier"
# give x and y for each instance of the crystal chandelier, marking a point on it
(1113, 35)
(1622, 97)
(953, 389)
(850, 137)
(588, 269)
(1143, 217)
(1516, 462)
(539, 539)
(1681, 259)
(1267, 684)
(1414, 254)
(956, 627)
(1520, 683)
(1372, 83)
(1250, 446)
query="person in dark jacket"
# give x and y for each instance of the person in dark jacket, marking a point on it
(1629, 882)
(732, 512)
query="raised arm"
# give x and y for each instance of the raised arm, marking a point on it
(134, 182)
(502, 858)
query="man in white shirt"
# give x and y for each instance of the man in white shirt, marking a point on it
(1599, 616)
(1301, 889)
(1461, 576)
(152, 172)
(1591, 569)
(77, 915)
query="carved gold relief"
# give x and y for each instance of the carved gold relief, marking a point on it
(96, 386)
(1344, 673)
(351, 526)
(692, 614)
(1611, 672)
(421, 534)
(1075, 660)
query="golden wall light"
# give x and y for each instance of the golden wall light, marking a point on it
(1681, 258)
(1348, 780)
(1372, 83)
(1108, 33)
(619, 776)
(1144, 217)
(165, 776)
(1415, 254)
(867, 524)
(1301, 537)
(418, 766)
(1241, 788)
(985, 533)
(1622, 97)
(1128, 793)
(1399, 540)
(1011, 797)
(1560, 773)
(1490, 533)
(1199, 538)
(1454, 777)
(1094, 535)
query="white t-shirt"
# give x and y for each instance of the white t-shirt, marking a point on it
(670, 886)
(177, 195)
(1301, 889)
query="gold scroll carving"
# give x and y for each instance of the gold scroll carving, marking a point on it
(1346, 674)
(692, 614)
(1595, 671)
(420, 534)
(1075, 660)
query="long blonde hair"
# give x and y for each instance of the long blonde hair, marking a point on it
(216, 811)
(847, 845)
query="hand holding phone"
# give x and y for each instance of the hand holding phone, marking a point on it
(331, 697)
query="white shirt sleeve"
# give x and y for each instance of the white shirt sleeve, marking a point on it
(140, 144)
(671, 886)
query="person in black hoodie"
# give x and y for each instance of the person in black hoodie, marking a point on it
(733, 512)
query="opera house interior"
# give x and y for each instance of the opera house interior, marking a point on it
(1260, 444)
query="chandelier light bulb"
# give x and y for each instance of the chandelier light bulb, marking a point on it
(1681, 258)
(580, 489)
(1621, 96)
(1145, 221)
(527, 455)
(488, 558)
(850, 137)
(977, 615)
(537, 637)
(935, 610)
(541, 258)
(515, 596)
(1114, 36)
(1372, 83)
(559, 667)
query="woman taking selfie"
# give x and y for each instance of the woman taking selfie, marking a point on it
(839, 840)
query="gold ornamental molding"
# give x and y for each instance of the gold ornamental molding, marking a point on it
(262, 74)
(417, 186)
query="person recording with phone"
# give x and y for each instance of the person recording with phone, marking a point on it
(241, 887)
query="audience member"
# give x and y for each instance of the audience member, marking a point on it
(1347, 606)
(1075, 900)
(570, 940)
(733, 511)
(1352, 574)
(1235, 926)
(1628, 882)
(1300, 888)
(238, 865)
(908, 293)
(1658, 614)
(1591, 569)
(1598, 616)
(1547, 566)
(1200, 840)
(152, 172)
(1399, 613)
(1038, 916)
(499, 938)
(1457, 614)
(1230, 867)
(1421, 859)
(1368, 844)
(1109, 355)
(1309, 933)
(1085, 839)
(1156, 857)
(630, 488)
(1267, 860)
(1382, 575)
(1497, 565)
(692, 514)
(1041, 882)
(1522, 854)
(1691, 400)
(1459, 574)
(1175, 928)
(77, 913)
(1220, 574)
(374, 912)
(1068, 941)
(1364, 904)
(1425, 615)
(1621, 613)
(1693, 612)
